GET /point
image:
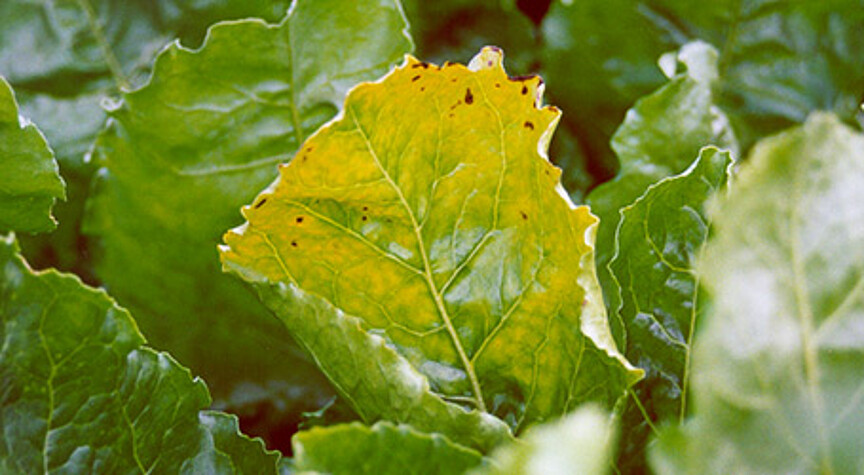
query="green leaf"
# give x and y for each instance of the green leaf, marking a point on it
(780, 59)
(82, 394)
(186, 150)
(381, 449)
(777, 369)
(580, 442)
(659, 138)
(29, 180)
(422, 249)
(80, 51)
(658, 240)
(65, 57)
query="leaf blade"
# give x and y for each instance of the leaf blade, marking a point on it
(30, 181)
(82, 392)
(770, 359)
(380, 187)
(185, 151)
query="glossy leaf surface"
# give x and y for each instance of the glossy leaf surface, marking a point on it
(29, 180)
(777, 369)
(82, 394)
(422, 249)
(185, 151)
(658, 241)
(382, 449)
(659, 138)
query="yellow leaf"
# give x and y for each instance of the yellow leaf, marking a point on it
(429, 213)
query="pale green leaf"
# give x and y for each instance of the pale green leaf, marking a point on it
(777, 366)
(66, 55)
(422, 249)
(581, 442)
(81, 394)
(200, 139)
(379, 450)
(29, 179)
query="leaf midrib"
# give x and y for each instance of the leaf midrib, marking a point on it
(427, 268)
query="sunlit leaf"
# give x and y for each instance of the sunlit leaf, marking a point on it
(777, 366)
(581, 442)
(422, 249)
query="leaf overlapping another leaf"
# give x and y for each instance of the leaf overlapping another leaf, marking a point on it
(659, 138)
(421, 248)
(777, 372)
(780, 60)
(82, 394)
(186, 150)
(29, 180)
(657, 242)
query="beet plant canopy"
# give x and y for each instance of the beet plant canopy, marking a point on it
(365, 236)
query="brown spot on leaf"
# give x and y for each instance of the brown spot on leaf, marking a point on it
(260, 203)
(524, 215)
(415, 78)
(529, 125)
(299, 219)
(469, 98)
(293, 243)
(524, 90)
(498, 84)
(364, 218)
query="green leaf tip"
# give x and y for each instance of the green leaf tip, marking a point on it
(30, 180)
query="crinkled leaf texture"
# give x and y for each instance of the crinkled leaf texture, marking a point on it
(658, 241)
(68, 55)
(422, 249)
(81, 394)
(383, 448)
(184, 152)
(777, 369)
(580, 442)
(659, 138)
(30, 182)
